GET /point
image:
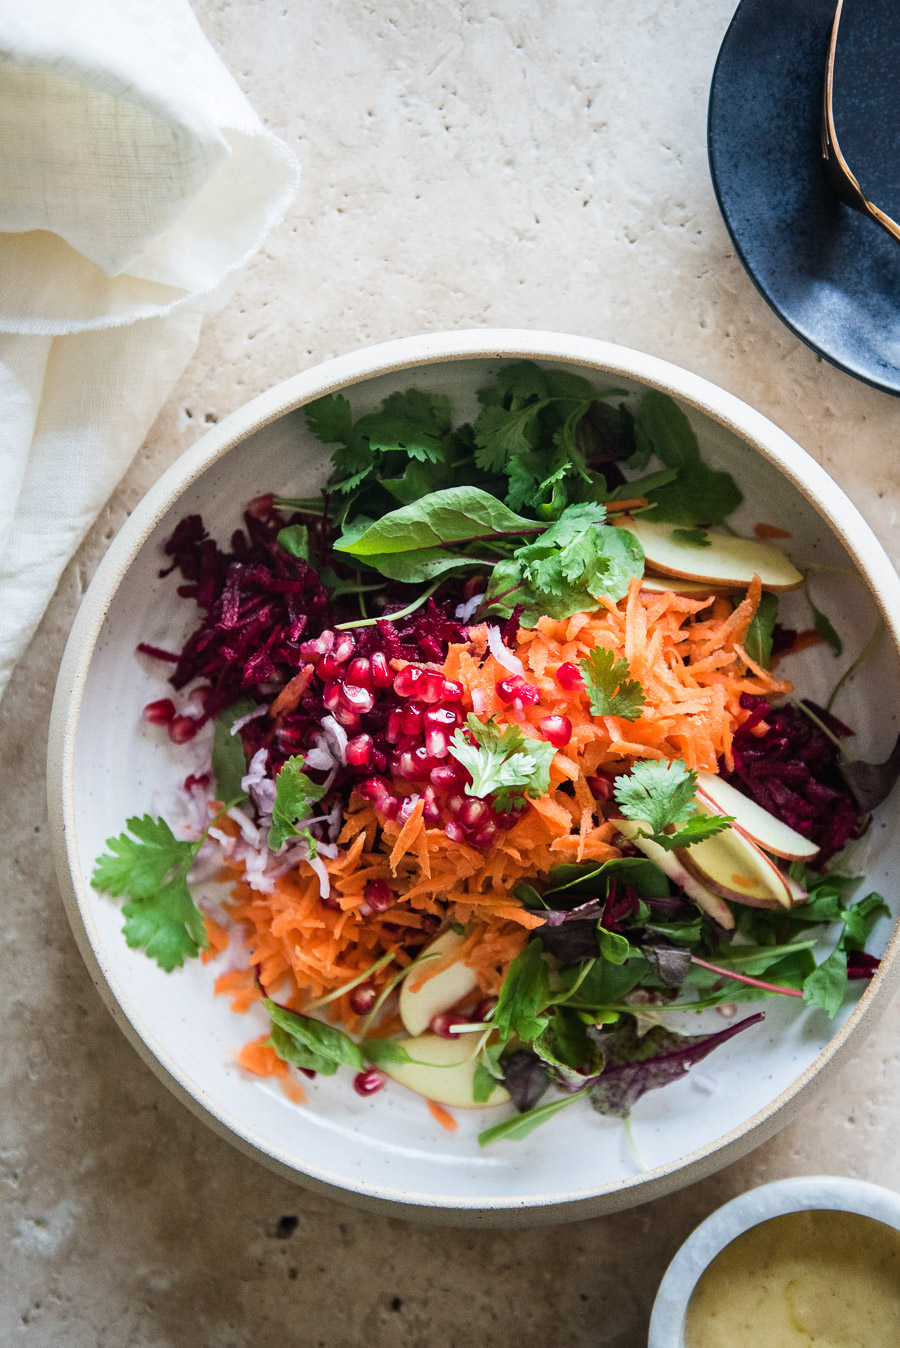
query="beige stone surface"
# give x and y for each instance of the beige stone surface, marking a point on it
(534, 163)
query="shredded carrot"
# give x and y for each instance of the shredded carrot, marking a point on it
(802, 642)
(442, 1116)
(770, 531)
(217, 937)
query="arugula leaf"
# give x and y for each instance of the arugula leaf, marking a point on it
(523, 996)
(229, 763)
(658, 792)
(309, 1043)
(457, 515)
(758, 642)
(294, 539)
(502, 760)
(824, 625)
(520, 1125)
(294, 794)
(611, 691)
(151, 868)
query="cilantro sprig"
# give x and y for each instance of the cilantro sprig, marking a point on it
(610, 688)
(661, 794)
(502, 762)
(295, 793)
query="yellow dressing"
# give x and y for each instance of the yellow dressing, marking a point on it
(817, 1279)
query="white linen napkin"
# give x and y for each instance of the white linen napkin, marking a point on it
(135, 181)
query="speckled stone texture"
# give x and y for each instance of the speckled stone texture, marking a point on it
(535, 163)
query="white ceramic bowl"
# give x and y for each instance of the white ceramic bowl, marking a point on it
(804, 1193)
(104, 765)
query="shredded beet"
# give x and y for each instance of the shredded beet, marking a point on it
(792, 771)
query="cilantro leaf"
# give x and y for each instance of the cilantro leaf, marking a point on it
(310, 1043)
(524, 994)
(610, 689)
(697, 828)
(658, 793)
(151, 868)
(502, 760)
(330, 419)
(294, 794)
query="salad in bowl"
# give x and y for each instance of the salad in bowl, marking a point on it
(500, 787)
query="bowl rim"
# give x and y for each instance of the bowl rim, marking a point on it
(597, 357)
(801, 1193)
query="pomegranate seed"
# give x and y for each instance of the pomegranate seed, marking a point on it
(431, 688)
(451, 691)
(508, 689)
(159, 713)
(394, 728)
(474, 585)
(529, 693)
(348, 719)
(482, 1010)
(328, 668)
(485, 836)
(557, 729)
(445, 778)
(359, 700)
(411, 718)
(201, 782)
(182, 729)
(359, 751)
(455, 804)
(568, 676)
(408, 680)
(331, 695)
(507, 819)
(359, 672)
(441, 718)
(431, 811)
(407, 768)
(363, 998)
(368, 1082)
(382, 676)
(261, 506)
(372, 788)
(388, 807)
(320, 645)
(332, 903)
(437, 743)
(378, 895)
(455, 832)
(601, 788)
(473, 813)
(344, 647)
(440, 1024)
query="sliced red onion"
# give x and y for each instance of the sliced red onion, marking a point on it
(502, 654)
(338, 735)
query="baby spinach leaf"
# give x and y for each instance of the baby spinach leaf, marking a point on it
(606, 984)
(827, 986)
(523, 996)
(590, 878)
(565, 1047)
(229, 762)
(613, 947)
(457, 515)
(667, 429)
(310, 1043)
(698, 496)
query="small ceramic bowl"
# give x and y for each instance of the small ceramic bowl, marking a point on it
(801, 1194)
(104, 764)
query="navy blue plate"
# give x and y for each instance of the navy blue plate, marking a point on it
(832, 275)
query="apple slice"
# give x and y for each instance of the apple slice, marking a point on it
(727, 561)
(437, 994)
(716, 796)
(693, 589)
(735, 868)
(443, 1071)
(669, 864)
(797, 892)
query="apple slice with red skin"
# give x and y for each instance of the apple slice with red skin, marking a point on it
(669, 864)
(716, 796)
(692, 589)
(443, 1070)
(440, 992)
(733, 867)
(726, 561)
